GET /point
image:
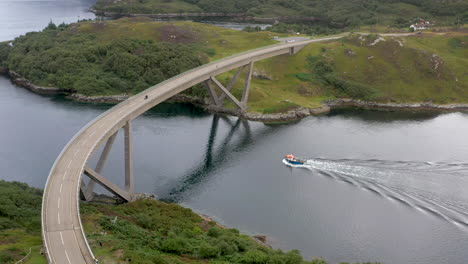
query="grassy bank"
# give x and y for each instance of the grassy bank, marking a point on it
(127, 56)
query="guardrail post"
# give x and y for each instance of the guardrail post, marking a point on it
(129, 183)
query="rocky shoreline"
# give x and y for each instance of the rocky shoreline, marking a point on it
(396, 106)
(20, 81)
(292, 115)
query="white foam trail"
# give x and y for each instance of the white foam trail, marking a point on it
(410, 183)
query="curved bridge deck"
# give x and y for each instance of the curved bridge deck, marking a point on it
(64, 238)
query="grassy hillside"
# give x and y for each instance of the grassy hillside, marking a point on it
(20, 223)
(420, 68)
(331, 13)
(130, 55)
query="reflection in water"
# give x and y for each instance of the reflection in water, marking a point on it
(384, 116)
(214, 157)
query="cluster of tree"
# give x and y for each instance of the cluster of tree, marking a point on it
(20, 206)
(79, 62)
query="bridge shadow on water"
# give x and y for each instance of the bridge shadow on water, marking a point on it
(238, 139)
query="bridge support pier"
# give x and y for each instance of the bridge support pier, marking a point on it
(87, 191)
(226, 91)
(129, 182)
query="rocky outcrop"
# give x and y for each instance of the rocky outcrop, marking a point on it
(104, 99)
(402, 106)
(3, 70)
(18, 80)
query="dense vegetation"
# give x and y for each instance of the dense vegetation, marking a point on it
(58, 57)
(117, 57)
(332, 13)
(20, 222)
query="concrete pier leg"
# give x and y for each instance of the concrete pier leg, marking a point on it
(89, 194)
(129, 181)
(248, 80)
(231, 84)
(212, 92)
(226, 92)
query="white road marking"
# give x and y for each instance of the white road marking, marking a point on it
(76, 152)
(69, 163)
(61, 237)
(58, 203)
(65, 174)
(58, 217)
(61, 187)
(66, 254)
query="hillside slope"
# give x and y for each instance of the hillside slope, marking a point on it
(419, 68)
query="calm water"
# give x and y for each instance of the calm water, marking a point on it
(380, 186)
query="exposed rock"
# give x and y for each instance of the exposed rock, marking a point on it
(261, 75)
(18, 80)
(320, 110)
(261, 238)
(413, 106)
(400, 42)
(145, 196)
(99, 99)
(350, 52)
(3, 70)
(380, 38)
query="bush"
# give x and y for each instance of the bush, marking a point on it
(254, 257)
(207, 251)
(214, 231)
(174, 245)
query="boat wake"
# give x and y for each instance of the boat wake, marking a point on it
(431, 187)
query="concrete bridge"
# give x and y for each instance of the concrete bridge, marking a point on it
(64, 238)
